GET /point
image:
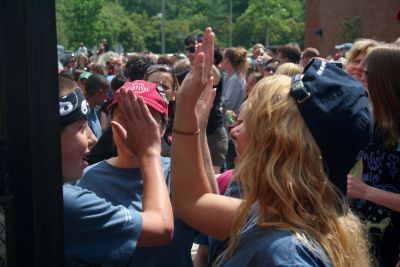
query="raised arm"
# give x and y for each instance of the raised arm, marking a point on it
(193, 200)
(203, 107)
(157, 214)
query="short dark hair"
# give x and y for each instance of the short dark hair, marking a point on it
(217, 56)
(136, 67)
(310, 52)
(192, 39)
(273, 60)
(290, 51)
(95, 83)
(117, 82)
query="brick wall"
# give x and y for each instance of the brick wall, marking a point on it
(378, 20)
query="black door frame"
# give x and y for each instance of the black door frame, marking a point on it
(30, 162)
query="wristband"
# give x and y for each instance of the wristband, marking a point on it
(185, 133)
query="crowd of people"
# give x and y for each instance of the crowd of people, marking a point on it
(281, 159)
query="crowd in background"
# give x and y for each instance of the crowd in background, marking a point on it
(371, 188)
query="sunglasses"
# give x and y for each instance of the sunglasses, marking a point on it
(163, 67)
(161, 91)
(270, 69)
(191, 49)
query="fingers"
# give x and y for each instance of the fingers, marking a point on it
(137, 112)
(207, 93)
(145, 112)
(208, 50)
(134, 108)
(124, 105)
(120, 130)
(199, 67)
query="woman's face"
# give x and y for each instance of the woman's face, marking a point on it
(76, 140)
(239, 135)
(356, 68)
(225, 62)
(166, 80)
(250, 82)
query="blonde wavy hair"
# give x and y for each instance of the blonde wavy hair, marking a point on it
(282, 171)
(289, 69)
(361, 46)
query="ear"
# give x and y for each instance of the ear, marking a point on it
(173, 96)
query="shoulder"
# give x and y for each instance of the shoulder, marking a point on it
(93, 172)
(94, 167)
(76, 198)
(84, 206)
(111, 231)
(282, 248)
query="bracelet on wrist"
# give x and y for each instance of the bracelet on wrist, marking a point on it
(185, 133)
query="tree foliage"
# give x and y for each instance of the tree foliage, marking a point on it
(136, 24)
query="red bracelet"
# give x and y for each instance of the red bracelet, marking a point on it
(185, 133)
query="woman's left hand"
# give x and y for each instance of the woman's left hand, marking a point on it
(204, 104)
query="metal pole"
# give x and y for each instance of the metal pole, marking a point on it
(163, 27)
(230, 23)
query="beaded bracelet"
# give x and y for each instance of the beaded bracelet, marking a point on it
(185, 133)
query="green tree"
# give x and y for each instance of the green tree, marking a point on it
(351, 29)
(271, 21)
(136, 24)
(81, 20)
(62, 37)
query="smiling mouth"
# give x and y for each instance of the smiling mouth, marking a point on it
(85, 157)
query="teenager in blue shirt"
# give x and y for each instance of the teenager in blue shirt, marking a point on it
(97, 232)
(119, 180)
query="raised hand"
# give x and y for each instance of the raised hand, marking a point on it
(197, 78)
(204, 104)
(141, 134)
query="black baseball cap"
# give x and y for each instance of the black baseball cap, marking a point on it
(337, 111)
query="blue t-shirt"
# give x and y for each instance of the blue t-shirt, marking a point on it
(97, 232)
(125, 187)
(94, 122)
(233, 93)
(217, 246)
(273, 247)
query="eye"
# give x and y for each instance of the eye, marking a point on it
(238, 122)
(84, 126)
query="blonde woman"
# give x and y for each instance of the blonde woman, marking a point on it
(289, 69)
(291, 214)
(356, 56)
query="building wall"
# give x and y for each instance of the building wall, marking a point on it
(378, 21)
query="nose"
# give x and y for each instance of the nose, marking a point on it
(234, 133)
(92, 139)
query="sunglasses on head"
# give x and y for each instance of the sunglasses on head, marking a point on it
(191, 49)
(162, 67)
